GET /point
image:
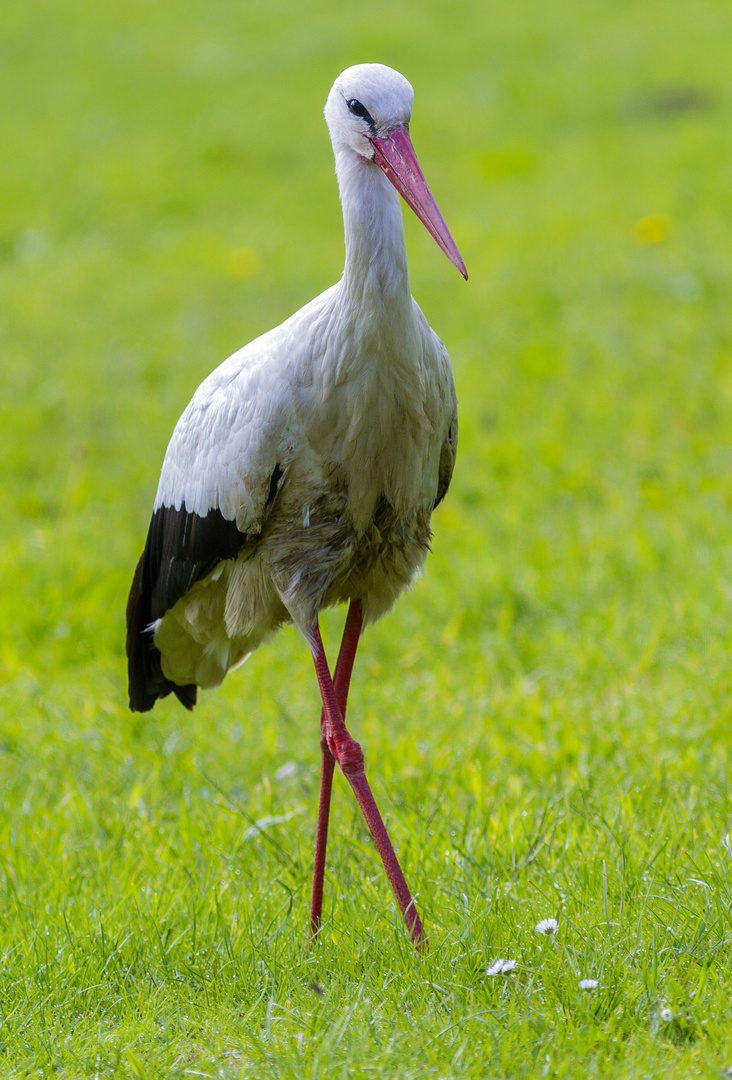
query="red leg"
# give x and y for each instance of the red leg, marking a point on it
(341, 683)
(350, 758)
(327, 764)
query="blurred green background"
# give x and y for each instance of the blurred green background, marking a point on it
(546, 716)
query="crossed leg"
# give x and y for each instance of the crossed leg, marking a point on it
(337, 745)
(341, 683)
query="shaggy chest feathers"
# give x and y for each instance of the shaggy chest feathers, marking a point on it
(347, 514)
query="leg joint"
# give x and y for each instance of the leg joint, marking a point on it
(348, 754)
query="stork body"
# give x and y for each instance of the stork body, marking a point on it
(305, 469)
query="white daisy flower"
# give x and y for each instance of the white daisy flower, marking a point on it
(666, 1015)
(546, 926)
(501, 966)
(587, 984)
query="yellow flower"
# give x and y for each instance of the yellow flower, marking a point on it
(651, 229)
(243, 262)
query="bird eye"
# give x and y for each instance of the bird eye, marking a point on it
(358, 109)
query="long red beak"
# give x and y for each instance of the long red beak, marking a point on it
(395, 155)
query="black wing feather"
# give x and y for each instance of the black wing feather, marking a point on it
(447, 464)
(181, 548)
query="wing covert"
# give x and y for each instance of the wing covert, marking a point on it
(226, 460)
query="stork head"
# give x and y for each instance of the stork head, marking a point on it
(368, 112)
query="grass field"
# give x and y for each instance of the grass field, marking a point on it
(546, 717)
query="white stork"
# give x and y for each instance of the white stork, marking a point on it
(306, 467)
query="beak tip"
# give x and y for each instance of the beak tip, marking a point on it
(457, 261)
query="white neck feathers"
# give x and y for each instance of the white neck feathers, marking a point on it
(376, 256)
